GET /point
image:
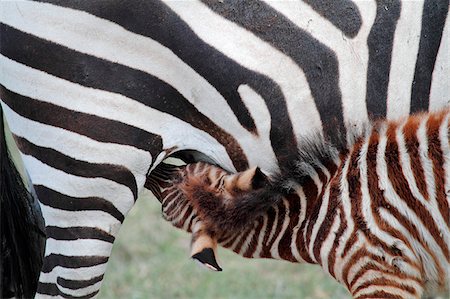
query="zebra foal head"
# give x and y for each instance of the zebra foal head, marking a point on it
(210, 202)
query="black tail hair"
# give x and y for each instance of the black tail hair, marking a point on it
(21, 238)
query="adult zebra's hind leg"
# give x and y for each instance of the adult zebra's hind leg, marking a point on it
(82, 215)
(85, 189)
(80, 235)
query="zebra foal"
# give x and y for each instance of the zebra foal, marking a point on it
(375, 216)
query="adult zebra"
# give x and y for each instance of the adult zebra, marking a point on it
(97, 95)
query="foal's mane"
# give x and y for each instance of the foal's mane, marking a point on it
(314, 152)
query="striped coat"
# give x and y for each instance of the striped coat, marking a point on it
(375, 216)
(98, 94)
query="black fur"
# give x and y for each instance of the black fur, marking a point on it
(206, 256)
(259, 180)
(21, 238)
(316, 151)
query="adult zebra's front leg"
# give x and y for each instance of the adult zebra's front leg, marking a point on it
(85, 188)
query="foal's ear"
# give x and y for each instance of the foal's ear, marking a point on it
(259, 180)
(252, 179)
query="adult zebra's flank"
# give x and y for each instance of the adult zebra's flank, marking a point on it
(97, 94)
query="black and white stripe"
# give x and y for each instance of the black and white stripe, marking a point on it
(98, 94)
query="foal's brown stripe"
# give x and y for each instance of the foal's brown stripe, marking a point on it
(171, 214)
(170, 202)
(282, 214)
(314, 214)
(284, 247)
(378, 200)
(191, 221)
(254, 242)
(226, 242)
(325, 226)
(300, 243)
(311, 192)
(339, 233)
(244, 236)
(385, 268)
(354, 189)
(359, 254)
(380, 265)
(186, 214)
(412, 146)
(377, 261)
(379, 294)
(386, 282)
(435, 153)
(265, 253)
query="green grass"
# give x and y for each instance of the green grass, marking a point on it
(150, 259)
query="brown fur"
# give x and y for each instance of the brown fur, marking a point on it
(230, 210)
(223, 202)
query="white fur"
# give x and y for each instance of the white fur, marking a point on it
(320, 219)
(78, 146)
(440, 82)
(346, 207)
(330, 240)
(80, 247)
(404, 56)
